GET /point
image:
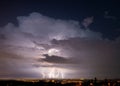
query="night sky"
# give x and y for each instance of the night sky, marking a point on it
(59, 39)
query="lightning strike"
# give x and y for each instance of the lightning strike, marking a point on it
(56, 73)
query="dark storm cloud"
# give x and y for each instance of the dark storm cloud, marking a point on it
(57, 59)
(101, 57)
(81, 50)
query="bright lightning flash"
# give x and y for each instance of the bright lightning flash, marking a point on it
(55, 73)
(53, 51)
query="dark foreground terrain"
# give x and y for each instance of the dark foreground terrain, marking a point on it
(62, 82)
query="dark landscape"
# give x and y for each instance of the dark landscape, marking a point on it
(61, 82)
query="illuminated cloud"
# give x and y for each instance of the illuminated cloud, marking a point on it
(39, 43)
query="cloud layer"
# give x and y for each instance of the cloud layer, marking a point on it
(24, 49)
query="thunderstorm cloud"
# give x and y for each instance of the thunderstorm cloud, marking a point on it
(40, 43)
